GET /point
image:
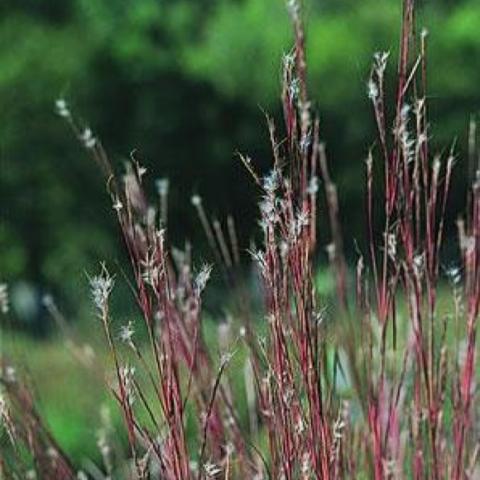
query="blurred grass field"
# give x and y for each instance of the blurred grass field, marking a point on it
(71, 396)
(68, 395)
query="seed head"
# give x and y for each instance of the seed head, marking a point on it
(141, 171)
(126, 374)
(211, 469)
(61, 108)
(101, 286)
(202, 278)
(313, 185)
(126, 333)
(380, 62)
(392, 246)
(294, 88)
(259, 257)
(271, 181)
(87, 138)
(372, 90)
(4, 303)
(196, 200)
(454, 275)
(118, 205)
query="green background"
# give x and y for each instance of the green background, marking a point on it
(183, 85)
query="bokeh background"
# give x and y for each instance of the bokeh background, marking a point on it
(183, 84)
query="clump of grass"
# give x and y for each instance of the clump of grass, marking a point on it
(378, 392)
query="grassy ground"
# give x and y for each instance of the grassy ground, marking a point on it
(71, 396)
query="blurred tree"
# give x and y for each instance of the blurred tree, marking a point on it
(50, 11)
(182, 83)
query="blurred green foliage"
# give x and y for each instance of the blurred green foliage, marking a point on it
(183, 84)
